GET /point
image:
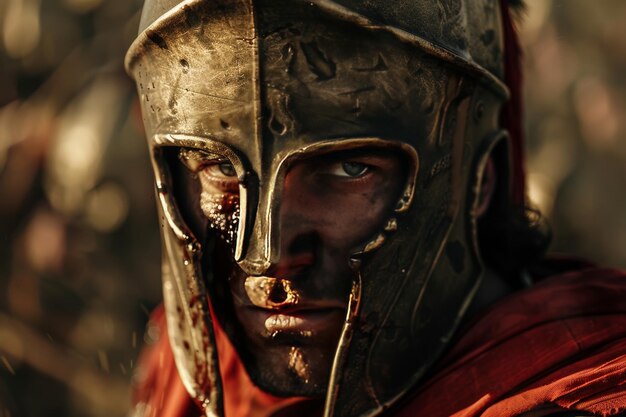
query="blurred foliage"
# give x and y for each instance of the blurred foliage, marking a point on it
(79, 244)
(576, 129)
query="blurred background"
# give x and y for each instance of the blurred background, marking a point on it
(79, 243)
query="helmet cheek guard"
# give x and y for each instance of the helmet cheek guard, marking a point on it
(264, 83)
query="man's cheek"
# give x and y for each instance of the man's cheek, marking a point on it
(222, 212)
(353, 224)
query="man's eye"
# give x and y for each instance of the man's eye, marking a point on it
(221, 170)
(349, 169)
(227, 169)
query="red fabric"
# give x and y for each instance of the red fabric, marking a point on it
(560, 343)
(512, 113)
(159, 390)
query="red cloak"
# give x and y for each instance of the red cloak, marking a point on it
(560, 344)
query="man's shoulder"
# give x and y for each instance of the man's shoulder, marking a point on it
(560, 342)
(567, 413)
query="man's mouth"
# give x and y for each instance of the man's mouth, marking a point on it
(281, 322)
(283, 312)
(305, 323)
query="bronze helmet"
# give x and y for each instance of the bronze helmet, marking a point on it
(263, 82)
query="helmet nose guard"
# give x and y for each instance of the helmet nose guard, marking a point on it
(260, 245)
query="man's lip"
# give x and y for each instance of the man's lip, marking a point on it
(304, 322)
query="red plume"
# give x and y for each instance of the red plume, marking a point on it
(512, 113)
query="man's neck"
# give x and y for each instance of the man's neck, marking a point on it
(492, 288)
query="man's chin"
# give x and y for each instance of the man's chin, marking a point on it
(289, 371)
(286, 385)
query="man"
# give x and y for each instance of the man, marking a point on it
(344, 224)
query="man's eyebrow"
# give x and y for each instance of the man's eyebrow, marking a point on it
(192, 158)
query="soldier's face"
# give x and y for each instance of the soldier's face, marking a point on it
(286, 323)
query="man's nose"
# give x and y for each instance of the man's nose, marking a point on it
(284, 241)
(299, 237)
(297, 253)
